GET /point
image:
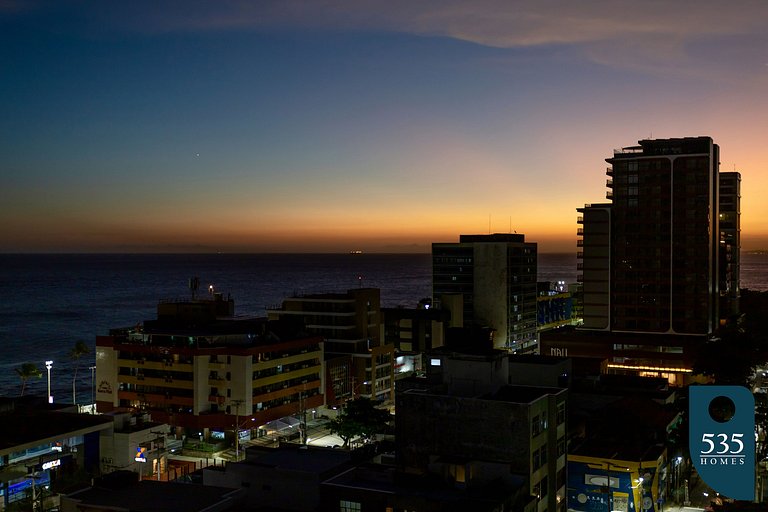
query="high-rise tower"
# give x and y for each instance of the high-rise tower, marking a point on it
(659, 261)
(496, 275)
(651, 257)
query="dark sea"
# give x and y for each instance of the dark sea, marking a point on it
(52, 301)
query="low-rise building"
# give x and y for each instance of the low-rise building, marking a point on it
(43, 448)
(123, 492)
(466, 422)
(135, 443)
(357, 362)
(199, 368)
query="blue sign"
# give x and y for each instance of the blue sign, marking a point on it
(722, 438)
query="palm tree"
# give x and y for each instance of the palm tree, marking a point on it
(25, 371)
(79, 350)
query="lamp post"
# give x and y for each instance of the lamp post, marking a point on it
(48, 366)
(93, 389)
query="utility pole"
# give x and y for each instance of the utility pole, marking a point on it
(237, 403)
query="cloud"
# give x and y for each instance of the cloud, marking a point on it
(497, 23)
(644, 36)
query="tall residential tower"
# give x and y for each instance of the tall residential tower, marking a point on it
(659, 262)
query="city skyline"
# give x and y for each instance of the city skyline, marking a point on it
(383, 127)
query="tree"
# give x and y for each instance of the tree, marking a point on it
(79, 350)
(27, 371)
(359, 418)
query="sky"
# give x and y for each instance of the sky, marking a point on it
(382, 126)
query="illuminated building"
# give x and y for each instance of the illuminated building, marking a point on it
(43, 448)
(496, 275)
(200, 368)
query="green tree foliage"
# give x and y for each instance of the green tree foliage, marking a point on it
(25, 372)
(79, 350)
(359, 418)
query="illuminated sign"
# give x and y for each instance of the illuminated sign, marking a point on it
(141, 454)
(51, 464)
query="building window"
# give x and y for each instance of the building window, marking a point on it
(535, 426)
(561, 413)
(349, 506)
(561, 446)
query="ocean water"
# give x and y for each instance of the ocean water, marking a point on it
(49, 302)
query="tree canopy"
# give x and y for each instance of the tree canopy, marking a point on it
(27, 371)
(79, 350)
(359, 418)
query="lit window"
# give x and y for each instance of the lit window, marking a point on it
(349, 506)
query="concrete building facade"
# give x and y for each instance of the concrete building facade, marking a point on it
(496, 276)
(357, 362)
(194, 369)
(470, 424)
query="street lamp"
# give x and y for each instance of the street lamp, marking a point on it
(48, 366)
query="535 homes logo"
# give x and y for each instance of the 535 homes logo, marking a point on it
(722, 438)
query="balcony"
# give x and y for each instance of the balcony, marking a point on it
(217, 399)
(580, 266)
(580, 255)
(579, 243)
(609, 171)
(217, 381)
(580, 231)
(580, 278)
(609, 195)
(609, 183)
(580, 220)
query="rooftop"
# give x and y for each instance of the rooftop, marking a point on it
(25, 426)
(152, 496)
(522, 394)
(426, 488)
(290, 458)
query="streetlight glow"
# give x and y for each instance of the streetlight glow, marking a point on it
(48, 366)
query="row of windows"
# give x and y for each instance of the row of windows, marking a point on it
(156, 390)
(270, 388)
(269, 356)
(166, 359)
(147, 373)
(294, 398)
(285, 368)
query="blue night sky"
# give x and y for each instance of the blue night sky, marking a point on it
(331, 126)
